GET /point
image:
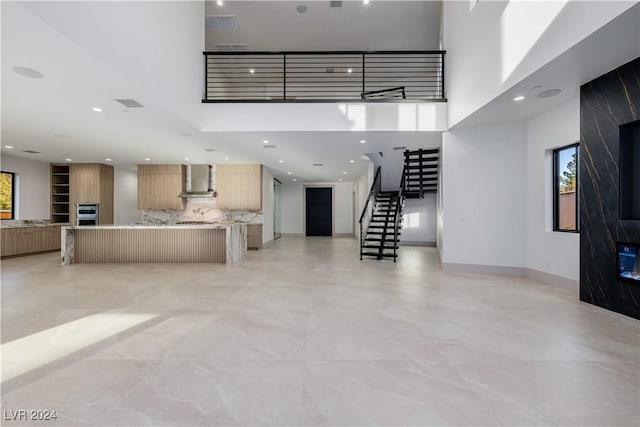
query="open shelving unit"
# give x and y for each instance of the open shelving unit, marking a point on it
(59, 193)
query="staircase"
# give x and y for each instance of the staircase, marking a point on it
(381, 239)
(381, 219)
(421, 172)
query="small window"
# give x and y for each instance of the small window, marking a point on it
(565, 189)
(7, 195)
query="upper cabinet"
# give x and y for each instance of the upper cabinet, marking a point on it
(160, 185)
(239, 186)
(91, 183)
(81, 183)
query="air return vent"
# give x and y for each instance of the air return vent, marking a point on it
(221, 22)
(231, 47)
(402, 147)
(318, 164)
(335, 4)
(130, 103)
(209, 150)
(31, 151)
(270, 146)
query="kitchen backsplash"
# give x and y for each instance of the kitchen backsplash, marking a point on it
(201, 210)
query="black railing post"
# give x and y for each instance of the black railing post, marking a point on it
(206, 76)
(442, 68)
(421, 172)
(284, 76)
(363, 79)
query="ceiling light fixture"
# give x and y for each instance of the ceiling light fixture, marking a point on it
(365, 2)
(97, 109)
(28, 72)
(252, 71)
(266, 141)
(226, 158)
(280, 161)
(288, 173)
(69, 160)
(108, 159)
(340, 180)
(344, 172)
(219, 2)
(519, 98)
(8, 146)
(294, 180)
(363, 141)
(147, 159)
(186, 158)
(352, 161)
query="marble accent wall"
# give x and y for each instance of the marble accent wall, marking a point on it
(606, 103)
(201, 210)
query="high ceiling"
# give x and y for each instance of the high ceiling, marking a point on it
(91, 53)
(379, 25)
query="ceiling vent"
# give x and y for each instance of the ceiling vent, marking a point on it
(402, 147)
(318, 164)
(209, 150)
(231, 47)
(221, 22)
(130, 103)
(31, 151)
(270, 146)
(335, 4)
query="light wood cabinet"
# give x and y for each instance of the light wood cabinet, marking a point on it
(160, 185)
(26, 240)
(91, 183)
(254, 236)
(239, 186)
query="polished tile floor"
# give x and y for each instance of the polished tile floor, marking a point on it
(304, 334)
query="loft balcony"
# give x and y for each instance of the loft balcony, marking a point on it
(337, 76)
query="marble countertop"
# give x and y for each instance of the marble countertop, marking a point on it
(10, 223)
(160, 226)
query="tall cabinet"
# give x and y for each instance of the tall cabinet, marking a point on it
(81, 183)
(159, 186)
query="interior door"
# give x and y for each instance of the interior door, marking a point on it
(277, 209)
(319, 211)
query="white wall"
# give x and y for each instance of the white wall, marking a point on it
(484, 195)
(506, 41)
(125, 197)
(32, 186)
(362, 187)
(419, 223)
(548, 251)
(293, 206)
(267, 204)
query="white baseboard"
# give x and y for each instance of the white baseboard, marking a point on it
(292, 234)
(343, 235)
(493, 270)
(417, 243)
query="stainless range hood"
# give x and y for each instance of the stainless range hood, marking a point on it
(198, 182)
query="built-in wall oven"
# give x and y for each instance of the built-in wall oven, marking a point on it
(87, 214)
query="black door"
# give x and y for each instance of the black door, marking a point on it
(319, 211)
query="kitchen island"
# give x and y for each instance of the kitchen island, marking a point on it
(193, 243)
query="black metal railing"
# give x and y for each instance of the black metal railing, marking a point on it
(369, 206)
(339, 76)
(399, 213)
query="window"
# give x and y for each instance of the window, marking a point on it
(7, 195)
(565, 188)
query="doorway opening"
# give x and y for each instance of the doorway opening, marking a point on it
(319, 211)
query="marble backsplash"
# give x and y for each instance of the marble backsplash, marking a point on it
(201, 210)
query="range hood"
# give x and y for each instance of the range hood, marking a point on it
(200, 190)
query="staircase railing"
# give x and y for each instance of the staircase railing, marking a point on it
(398, 214)
(367, 210)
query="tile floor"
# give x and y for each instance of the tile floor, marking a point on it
(304, 334)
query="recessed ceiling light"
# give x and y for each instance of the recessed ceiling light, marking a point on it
(288, 173)
(340, 180)
(147, 159)
(294, 180)
(219, 2)
(186, 158)
(350, 70)
(266, 141)
(69, 160)
(352, 161)
(28, 72)
(280, 161)
(108, 159)
(363, 141)
(97, 109)
(301, 8)
(251, 70)
(549, 93)
(344, 172)
(365, 2)
(8, 146)
(519, 98)
(226, 158)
